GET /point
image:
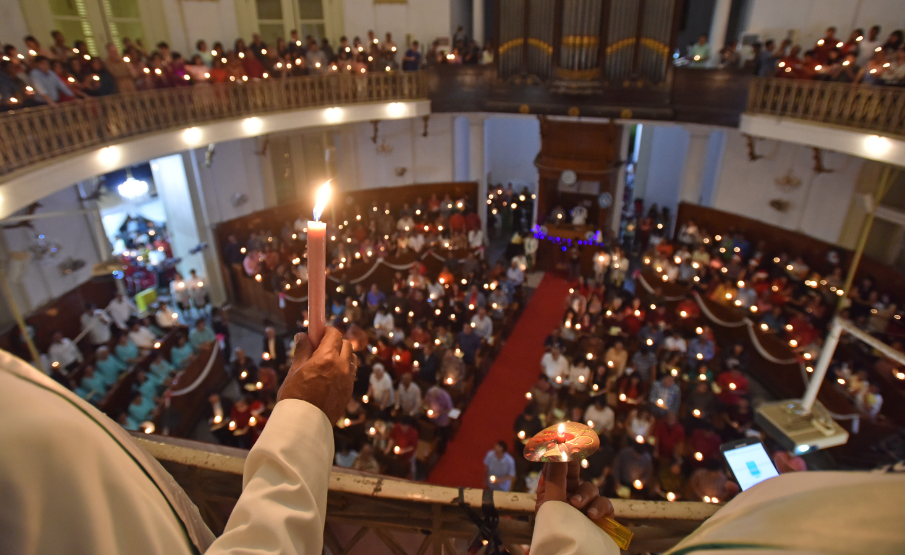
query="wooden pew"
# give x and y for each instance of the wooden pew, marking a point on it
(179, 413)
(121, 394)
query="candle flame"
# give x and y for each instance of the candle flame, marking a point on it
(323, 195)
(561, 429)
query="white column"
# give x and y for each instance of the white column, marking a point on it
(95, 220)
(619, 190)
(477, 21)
(718, 27)
(476, 168)
(203, 223)
(695, 163)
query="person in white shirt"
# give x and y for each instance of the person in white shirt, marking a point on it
(405, 224)
(600, 416)
(476, 241)
(165, 318)
(143, 338)
(180, 292)
(579, 215)
(515, 274)
(482, 325)
(435, 290)
(867, 47)
(64, 352)
(383, 322)
(580, 375)
(530, 245)
(301, 228)
(198, 290)
(415, 279)
(619, 267)
(416, 242)
(675, 342)
(98, 325)
(380, 390)
(301, 272)
(601, 265)
(408, 396)
(555, 366)
(120, 311)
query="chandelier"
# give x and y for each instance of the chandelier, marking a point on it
(132, 189)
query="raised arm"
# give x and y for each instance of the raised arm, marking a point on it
(284, 499)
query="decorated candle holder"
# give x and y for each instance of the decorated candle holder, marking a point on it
(573, 441)
(569, 441)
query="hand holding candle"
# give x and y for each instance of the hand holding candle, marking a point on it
(317, 269)
(561, 482)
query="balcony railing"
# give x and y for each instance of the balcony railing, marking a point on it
(862, 107)
(407, 517)
(36, 134)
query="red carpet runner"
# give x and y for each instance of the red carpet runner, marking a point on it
(501, 397)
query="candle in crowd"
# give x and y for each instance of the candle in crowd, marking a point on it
(317, 269)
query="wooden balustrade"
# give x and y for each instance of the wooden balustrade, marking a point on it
(862, 107)
(35, 134)
(402, 515)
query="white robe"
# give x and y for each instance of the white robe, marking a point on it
(799, 513)
(74, 481)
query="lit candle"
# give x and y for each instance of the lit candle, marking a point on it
(317, 269)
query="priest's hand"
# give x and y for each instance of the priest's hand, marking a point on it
(560, 482)
(322, 377)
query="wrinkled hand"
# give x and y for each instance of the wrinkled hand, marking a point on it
(322, 377)
(560, 482)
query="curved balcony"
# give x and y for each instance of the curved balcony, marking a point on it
(862, 120)
(45, 149)
(37, 134)
(149, 124)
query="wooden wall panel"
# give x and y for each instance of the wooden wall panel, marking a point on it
(591, 150)
(61, 314)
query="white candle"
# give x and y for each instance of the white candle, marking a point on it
(317, 269)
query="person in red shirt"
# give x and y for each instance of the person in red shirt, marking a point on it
(446, 277)
(688, 309)
(384, 352)
(162, 242)
(669, 435)
(402, 361)
(252, 65)
(433, 205)
(733, 385)
(823, 46)
(472, 221)
(634, 317)
(704, 445)
(402, 445)
(457, 222)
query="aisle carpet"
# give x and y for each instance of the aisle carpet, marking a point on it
(501, 396)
